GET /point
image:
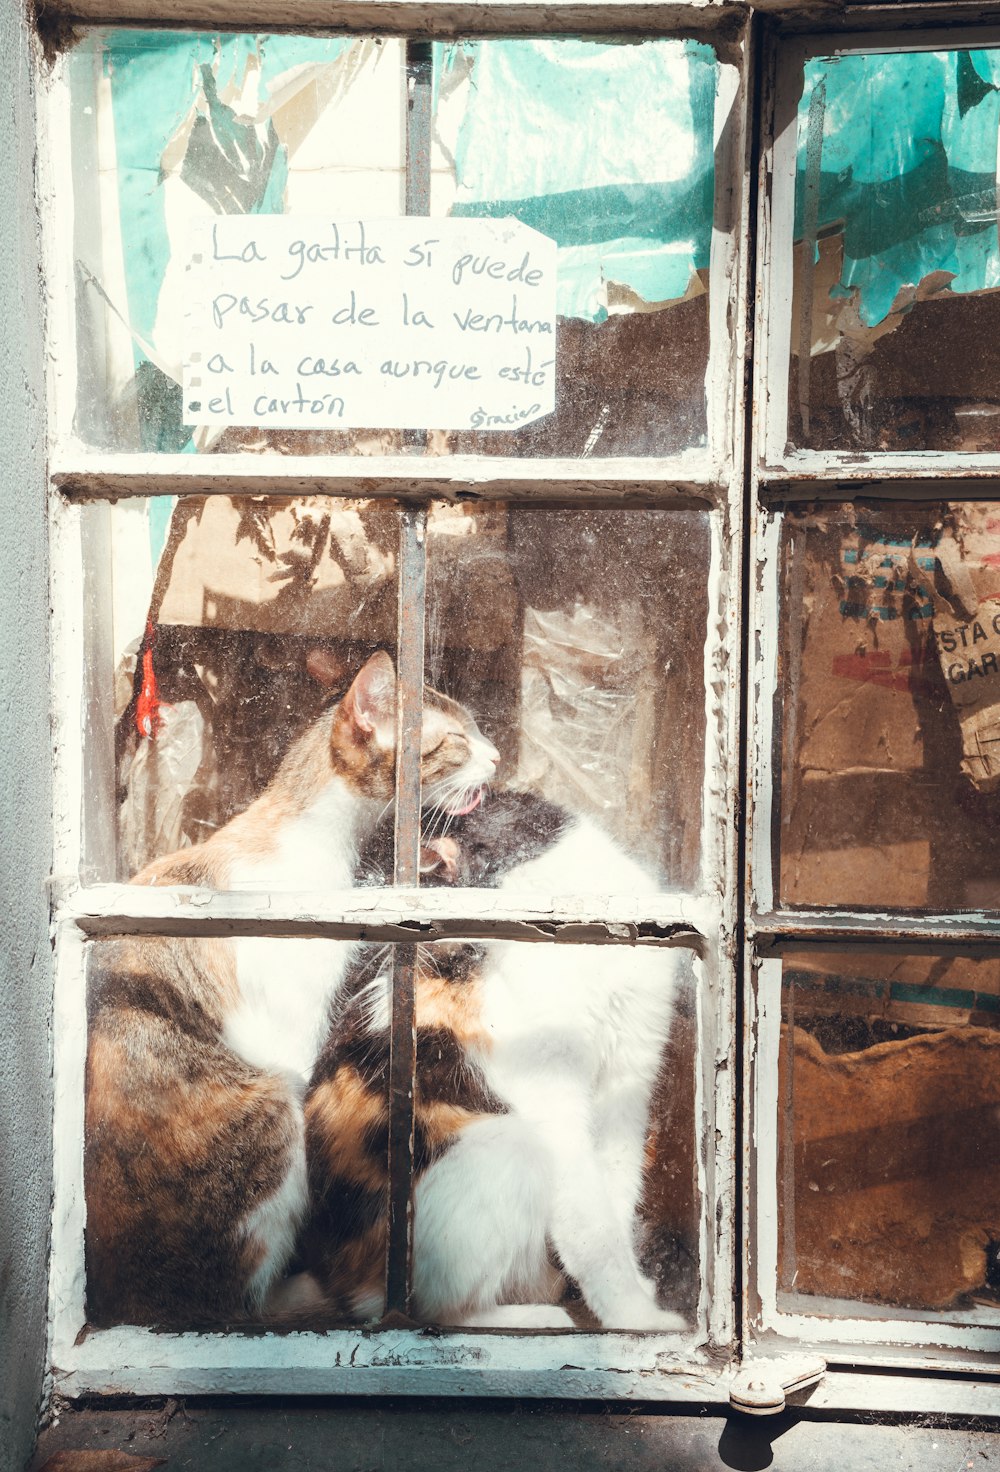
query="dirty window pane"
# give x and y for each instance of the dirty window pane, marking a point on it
(890, 706)
(206, 1207)
(577, 638)
(889, 1085)
(608, 149)
(554, 666)
(170, 127)
(896, 253)
(226, 631)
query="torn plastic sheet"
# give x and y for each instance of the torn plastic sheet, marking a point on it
(907, 170)
(206, 124)
(607, 148)
(578, 705)
(157, 778)
(163, 85)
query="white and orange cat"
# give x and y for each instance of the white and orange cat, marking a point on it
(200, 1049)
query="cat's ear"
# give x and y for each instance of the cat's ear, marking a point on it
(371, 700)
(439, 856)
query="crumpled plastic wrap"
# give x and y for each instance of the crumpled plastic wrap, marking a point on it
(578, 709)
(157, 778)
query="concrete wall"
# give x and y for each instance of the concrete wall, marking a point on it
(25, 759)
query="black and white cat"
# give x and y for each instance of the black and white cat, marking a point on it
(535, 1072)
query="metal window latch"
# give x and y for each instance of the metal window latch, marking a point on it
(760, 1387)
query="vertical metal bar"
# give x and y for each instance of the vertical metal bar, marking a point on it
(419, 76)
(409, 711)
(402, 1042)
(409, 690)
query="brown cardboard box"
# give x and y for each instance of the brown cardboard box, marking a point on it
(326, 569)
(880, 986)
(889, 1168)
(279, 567)
(858, 677)
(966, 597)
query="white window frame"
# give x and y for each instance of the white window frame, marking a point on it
(683, 1366)
(780, 479)
(735, 1314)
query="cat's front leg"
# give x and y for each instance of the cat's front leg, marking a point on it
(593, 1236)
(620, 1127)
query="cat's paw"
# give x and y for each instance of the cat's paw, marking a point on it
(644, 1314)
(519, 1316)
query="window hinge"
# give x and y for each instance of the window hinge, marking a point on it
(761, 1386)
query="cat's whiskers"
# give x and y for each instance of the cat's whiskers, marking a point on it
(427, 958)
(373, 963)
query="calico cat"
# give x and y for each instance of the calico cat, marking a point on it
(535, 1071)
(199, 1050)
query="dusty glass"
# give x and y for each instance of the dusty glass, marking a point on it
(608, 150)
(888, 1093)
(237, 1127)
(577, 639)
(251, 336)
(172, 128)
(890, 706)
(216, 645)
(896, 257)
(563, 689)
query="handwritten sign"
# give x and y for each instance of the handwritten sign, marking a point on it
(312, 323)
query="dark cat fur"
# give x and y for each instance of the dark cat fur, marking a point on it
(506, 830)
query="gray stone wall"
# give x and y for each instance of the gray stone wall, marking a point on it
(25, 760)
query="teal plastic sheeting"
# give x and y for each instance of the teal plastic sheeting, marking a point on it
(156, 78)
(607, 148)
(903, 149)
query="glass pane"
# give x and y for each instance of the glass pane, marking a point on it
(172, 130)
(609, 150)
(897, 262)
(220, 633)
(557, 630)
(555, 1175)
(217, 647)
(888, 1180)
(890, 706)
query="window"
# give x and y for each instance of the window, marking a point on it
(557, 576)
(872, 866)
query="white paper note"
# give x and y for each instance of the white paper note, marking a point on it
(301, 322)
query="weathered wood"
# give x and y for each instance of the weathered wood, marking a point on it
(389, 914)
(687, 479)
(720, 18)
